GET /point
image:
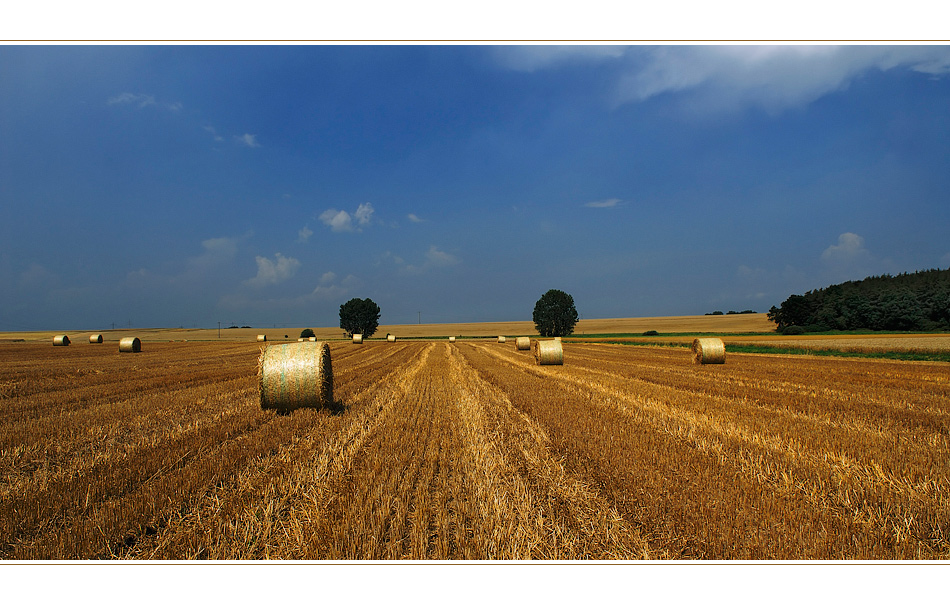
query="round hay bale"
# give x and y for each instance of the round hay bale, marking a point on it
(357, 339)
(451, 339)
(312, 339)
(61, 341)
(501, 339)
(292, 376)
(262, 338)
(708, 350)
(130, 344)
(557, 338)
(391, 338)
(95, 339)
(523, 343)
(548, 352)
(300, 340)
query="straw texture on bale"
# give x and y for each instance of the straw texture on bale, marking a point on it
(295, 376)
(548, 352)
(451, 339)
(130, 344)
(523, 343)
(501, 339)
(262, 338)
(96, 339)
(391, 338)
(61, 341)
(357, 339)
(708, 350)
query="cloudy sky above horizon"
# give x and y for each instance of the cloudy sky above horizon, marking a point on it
(267, 185)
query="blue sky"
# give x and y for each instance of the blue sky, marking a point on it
(267, 185)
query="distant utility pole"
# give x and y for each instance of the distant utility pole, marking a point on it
(219, 329)
(113, 325)
(420, 318)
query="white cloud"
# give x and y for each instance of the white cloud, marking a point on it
(341, 220)
(364, 213)
(611, 203)
(434, 258)
(304, 234)
(532, 57)
(214, 133)
(327, 289)
(127, 98)
(248, 139)
(850, 249)
(273, 272)
(438, 258)
(725, 78)
(413, 218)
(218, 250)
(337, 220)
(142, 101)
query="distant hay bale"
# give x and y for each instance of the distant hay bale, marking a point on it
(451, 339)
(708, 350)
(523, 343)
(557, 338)
(96, 339)
(300, 339)
(548, 352)
(357, 339)
(501, 339)
(262, 338)
(130, 344)
(61, 341)
(292, 376)
(391, 337)
(312, 339)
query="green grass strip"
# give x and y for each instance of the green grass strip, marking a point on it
(940, 356)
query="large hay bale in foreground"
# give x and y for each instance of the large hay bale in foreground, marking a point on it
(501, 339)
(95, 339)
(523, 343)
(451, 339)
(130, 344)
(262, 338)
(61, 341)
(357, 339)
(548, 352)
(708, 350)
(390, 338)
(292, 376)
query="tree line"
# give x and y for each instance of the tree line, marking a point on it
(918, 301)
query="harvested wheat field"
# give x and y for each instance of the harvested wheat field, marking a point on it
(470, 450)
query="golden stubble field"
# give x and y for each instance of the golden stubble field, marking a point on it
(471, 451)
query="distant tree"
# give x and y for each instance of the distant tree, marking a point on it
(555, 314)
(306, 333)
(359, 316)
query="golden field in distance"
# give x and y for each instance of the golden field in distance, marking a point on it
(760, 331)
(749, 322)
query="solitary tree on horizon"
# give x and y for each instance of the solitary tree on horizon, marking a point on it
(359, 316)
(555, 314)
